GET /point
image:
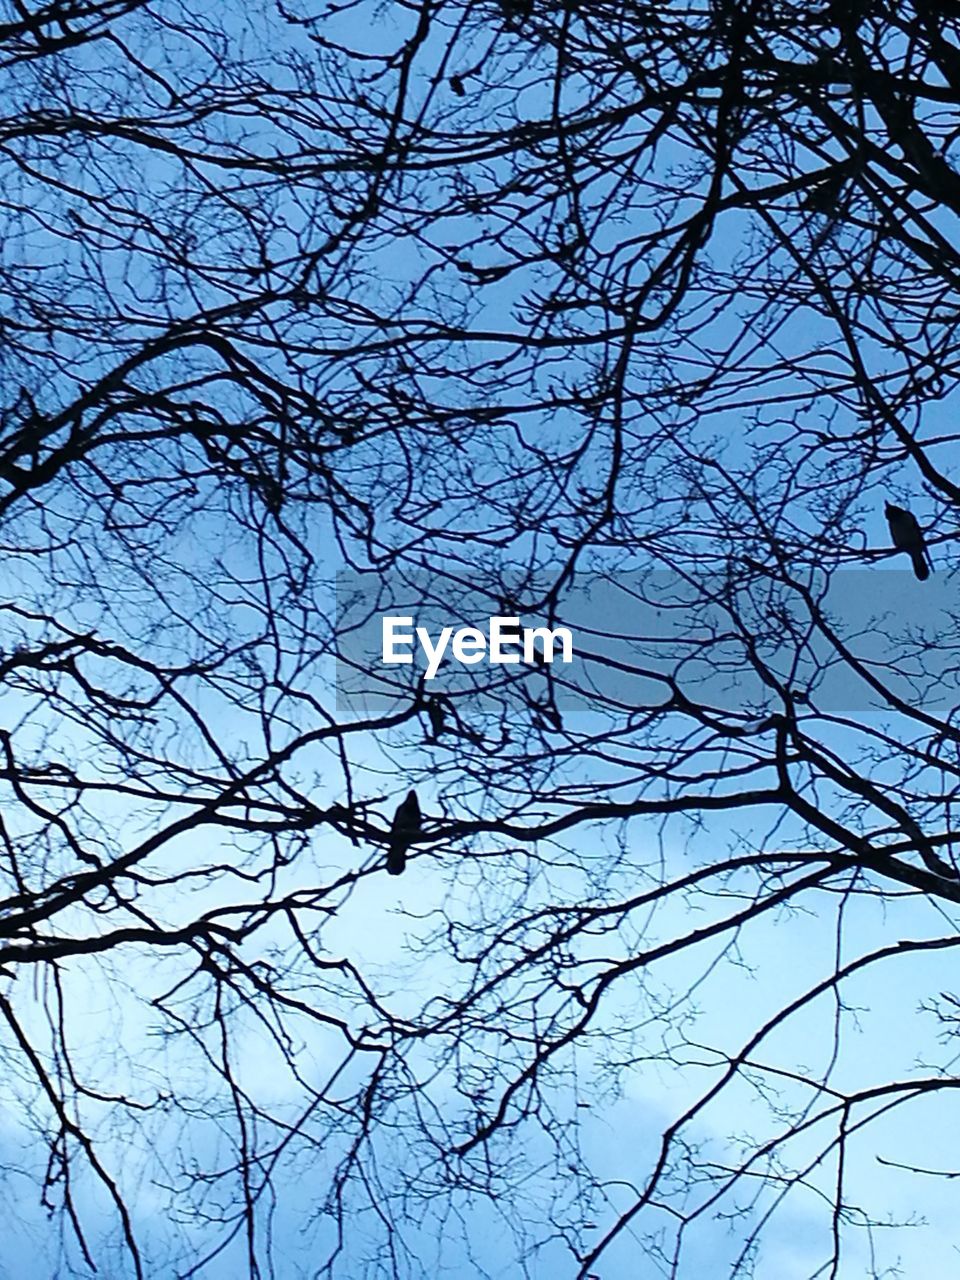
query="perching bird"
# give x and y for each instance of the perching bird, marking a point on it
(436, 716)
(403, 831)
(908, 536)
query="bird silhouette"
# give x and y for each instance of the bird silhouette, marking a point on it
(436, 716)
(403, 831)
(908, 536)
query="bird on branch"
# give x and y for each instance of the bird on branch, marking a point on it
(437, 718)
(404, 829)
(908, 536)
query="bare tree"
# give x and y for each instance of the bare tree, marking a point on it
(632, 315)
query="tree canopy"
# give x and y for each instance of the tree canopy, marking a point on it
(630, 315)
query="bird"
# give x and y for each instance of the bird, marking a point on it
(908, 536)
(403, 831)
(436, 716)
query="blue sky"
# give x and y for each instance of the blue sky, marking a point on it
(401, 934)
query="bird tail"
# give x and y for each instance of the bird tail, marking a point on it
(920, 567)
(396, 860)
